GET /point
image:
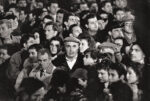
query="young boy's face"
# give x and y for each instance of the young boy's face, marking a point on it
(113, 76)
(88, 60)
(103, 75)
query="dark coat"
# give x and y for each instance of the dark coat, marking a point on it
(61, 62)
(121, 91)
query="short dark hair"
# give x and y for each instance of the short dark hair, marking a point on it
(89, 16)
(25, 38)
(115, 10)
(37, 47)
(93, 53)
(90, 40)
(48, 17)
(54, 25)
(43, 51)
(119, 68)
(104, 64)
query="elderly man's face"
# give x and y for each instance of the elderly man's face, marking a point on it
(43, 60)
(71, 49)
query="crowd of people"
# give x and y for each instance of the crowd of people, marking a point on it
(84, 51)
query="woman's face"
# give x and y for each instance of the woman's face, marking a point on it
(84, 45)
(131, 76)
(136, 54)
(54, 47)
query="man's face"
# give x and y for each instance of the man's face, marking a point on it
(49, 32)
(128, 27)
(22, 15)
(120, 3)
(102, 24)
(33, 54)
(54, 8)
(4, 31)
(108, 7)
(113, 76)
(88, 60)
(1, 9)
(76, 31)
(103, 75)
(59, 18)
(71, 49)
(94, 7)
(71, 20)
(54, 46)
(22, 3)
(119, 15)
(136, 54)
(43, 60)
(84, 45)
(119, 42)
(30, 42)
(92, 24)
(117, 32)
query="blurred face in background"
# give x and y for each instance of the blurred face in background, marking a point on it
(22, 16)
(76, 31)
(119, 15)
(121, 3)
(59, 18)
(12, 1)
(22, 3)
(107, 7)
(53, 8)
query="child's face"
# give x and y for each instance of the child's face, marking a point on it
(131, 76)
(113, 76)
(88, 60)
(103, 75)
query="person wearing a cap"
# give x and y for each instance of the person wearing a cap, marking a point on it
(111, 48)
(128, 30)
(115, 31)
(71, 59)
